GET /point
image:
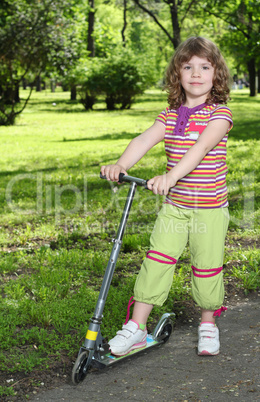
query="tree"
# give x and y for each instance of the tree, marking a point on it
(243, 36)
(179, 9)
(33, 35)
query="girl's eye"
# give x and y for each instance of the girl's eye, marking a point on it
(205, 68)
(186, 67)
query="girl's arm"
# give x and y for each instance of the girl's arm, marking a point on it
(211, 136)
(136, 149)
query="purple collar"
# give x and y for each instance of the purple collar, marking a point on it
(184, 114)
(192, 109)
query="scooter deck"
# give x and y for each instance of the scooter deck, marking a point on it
(109, 359)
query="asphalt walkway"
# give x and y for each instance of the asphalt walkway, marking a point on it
(174, 372)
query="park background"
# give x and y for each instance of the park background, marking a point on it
(78, 81)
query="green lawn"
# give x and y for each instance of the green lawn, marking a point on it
(57, 220)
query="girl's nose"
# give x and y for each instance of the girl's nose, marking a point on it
(195, 72)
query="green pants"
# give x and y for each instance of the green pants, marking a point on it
(205, 230)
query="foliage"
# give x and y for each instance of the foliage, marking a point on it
(33, 35)
(242, 36)
(124, 77)
(88, 76)
(120, 77)
(248, 270)
(107, 30)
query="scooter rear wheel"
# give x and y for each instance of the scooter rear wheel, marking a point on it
(80, 368)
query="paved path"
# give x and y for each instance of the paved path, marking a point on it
(174, 372)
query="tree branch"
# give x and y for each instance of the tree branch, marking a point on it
(25, 103)
(154, 18)
(221, 16)
(193, 2)
(125, 23)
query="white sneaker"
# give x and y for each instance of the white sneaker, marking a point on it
(208, 339)
(129, 338)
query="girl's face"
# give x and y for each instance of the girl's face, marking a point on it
(197, 80)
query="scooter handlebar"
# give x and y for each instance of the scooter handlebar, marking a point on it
(129, 179)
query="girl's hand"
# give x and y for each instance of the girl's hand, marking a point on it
(161, 184)
(112, 171)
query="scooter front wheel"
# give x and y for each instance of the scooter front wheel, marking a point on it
(164, 328)
(80, 367)
(165, 332)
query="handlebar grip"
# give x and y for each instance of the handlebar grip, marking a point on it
(102, 177)
(121, 177)
(128, 179)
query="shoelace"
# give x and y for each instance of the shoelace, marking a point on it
(218, 312)
(130, 303)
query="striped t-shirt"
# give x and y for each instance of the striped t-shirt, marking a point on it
(205, 186)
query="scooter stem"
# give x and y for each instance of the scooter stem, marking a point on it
(97, 317)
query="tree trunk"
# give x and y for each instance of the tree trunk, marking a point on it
(110, 102)
(175, 24)
(258, 79)
(53, 85)
(8, 95)
(125, 24)
(91, 20)
(252, 74)
(73, 93)
(38, 84)
(16, 94)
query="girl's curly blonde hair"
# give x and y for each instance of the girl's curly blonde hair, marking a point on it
(201, 47)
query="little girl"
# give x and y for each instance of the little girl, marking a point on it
(194, 128)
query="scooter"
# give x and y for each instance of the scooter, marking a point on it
(95, 353)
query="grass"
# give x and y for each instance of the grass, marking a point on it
(57, 221)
